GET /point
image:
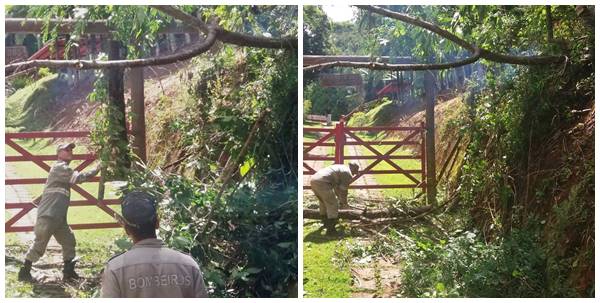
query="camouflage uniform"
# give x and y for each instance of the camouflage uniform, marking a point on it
(151, 270)
(52, 211)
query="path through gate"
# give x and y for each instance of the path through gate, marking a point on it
(39, 160)
(380, 151)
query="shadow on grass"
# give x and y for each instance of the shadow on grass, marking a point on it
(318, 235)
(50, 290)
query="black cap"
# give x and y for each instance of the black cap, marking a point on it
(65, 146)
(138, 208)
(354, 167)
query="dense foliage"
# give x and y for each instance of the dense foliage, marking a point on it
(227, 141)
(246, 246)
(522, 221)
(465, 266)
(246, 240)
(519, 177)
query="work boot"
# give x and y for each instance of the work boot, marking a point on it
(69, 271)
(324, 221)
(330, 226)
(25, 272)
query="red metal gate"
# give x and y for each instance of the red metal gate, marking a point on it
(342, 136)
(26, 207)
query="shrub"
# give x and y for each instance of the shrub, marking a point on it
(246, 245)
(466, 266)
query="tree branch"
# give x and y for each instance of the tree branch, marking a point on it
(353, 214)
(212, 31)
(198, 49)
(398, 67)
(485, 54)
(228, 36)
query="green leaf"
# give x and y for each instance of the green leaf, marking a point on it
(440, 287)
(182, 242)
(285, 244)
(253, 270)
(245, 168)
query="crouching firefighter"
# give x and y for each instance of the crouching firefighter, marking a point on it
(52, 214)
(330, 185)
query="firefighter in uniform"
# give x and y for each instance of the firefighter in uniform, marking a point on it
(330, 185)
(52, 214)
(149, 269)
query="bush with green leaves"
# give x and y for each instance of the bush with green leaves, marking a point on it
(245, 239)
(246, 245)
(466, 266)
(336, 101)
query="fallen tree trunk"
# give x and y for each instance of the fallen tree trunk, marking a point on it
(353, 214)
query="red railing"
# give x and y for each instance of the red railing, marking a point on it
(341, 136)
(26, 207)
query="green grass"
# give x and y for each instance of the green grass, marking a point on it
(389, 179)
(396, 178)
(324, 276)
(380, 115)
(307, 123)
(32, 107)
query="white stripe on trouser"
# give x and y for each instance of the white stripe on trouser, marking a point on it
(57, 190)
(46, 227)
(328, 202)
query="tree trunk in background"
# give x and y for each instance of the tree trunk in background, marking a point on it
(460, 76)
(430, 136)
(138, 120)
(549, 29)
(369, 95)
(118, 140)
(468, 70)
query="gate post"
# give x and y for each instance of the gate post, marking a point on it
(423, 174)
(340, 140)
(138, 121)
(430, 136)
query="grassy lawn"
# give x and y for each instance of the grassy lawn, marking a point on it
(326, 274)
(32, 107)
(389, 179)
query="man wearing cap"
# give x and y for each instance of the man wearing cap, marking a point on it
(149, 269)
(330, 184)
(52, 214)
